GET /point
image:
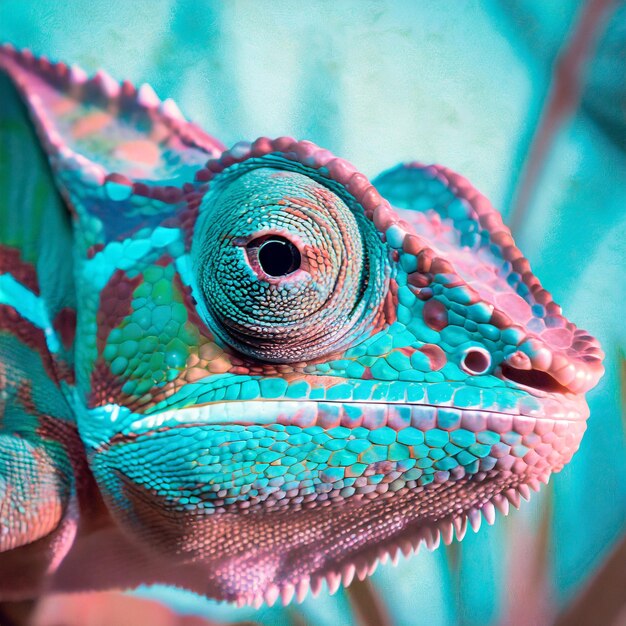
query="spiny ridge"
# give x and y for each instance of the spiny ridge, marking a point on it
(365, 565)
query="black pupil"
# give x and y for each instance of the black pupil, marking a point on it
(278, 257)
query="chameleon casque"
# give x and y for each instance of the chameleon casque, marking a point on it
(249, 371)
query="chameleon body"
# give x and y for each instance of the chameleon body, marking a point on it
(250, 371)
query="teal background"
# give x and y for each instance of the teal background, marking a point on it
(465, 84)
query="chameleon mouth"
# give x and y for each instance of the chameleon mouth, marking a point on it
(221, 398)
(370, 414)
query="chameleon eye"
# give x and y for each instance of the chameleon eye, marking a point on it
(274, 255)
(281, 265)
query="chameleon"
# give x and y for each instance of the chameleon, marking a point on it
(250, 372)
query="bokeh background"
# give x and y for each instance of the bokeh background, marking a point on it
(528, 100)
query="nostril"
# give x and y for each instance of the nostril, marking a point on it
(476, 361)
(536, 379)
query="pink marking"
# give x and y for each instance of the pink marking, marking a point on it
(374, 417)
(560, 428)
(475, 421)
(390, 305)
(63, 106)
(329, 420)
(435, 314)
(518, 466)
(65, 324)
(505, 463)
(349, 421)
(139, 151)
(423, 417)
(12, 322)
(500, 450)
(91, 124)
(11, 263)
(544, 450)
(557, 337)
(435, 354)
(544, 426)
(523, 425)
(515, 307)
(93, 250)
(115, 304)
(398, 419)
(501, 423)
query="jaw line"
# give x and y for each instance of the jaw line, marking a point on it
(284, 411)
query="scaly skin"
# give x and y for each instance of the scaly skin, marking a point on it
(255, 370)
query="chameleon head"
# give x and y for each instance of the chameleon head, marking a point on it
(283, 371)
(310, 372)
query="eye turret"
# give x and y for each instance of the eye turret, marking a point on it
(282, 264)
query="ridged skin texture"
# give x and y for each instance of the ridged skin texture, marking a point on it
(250, 371)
